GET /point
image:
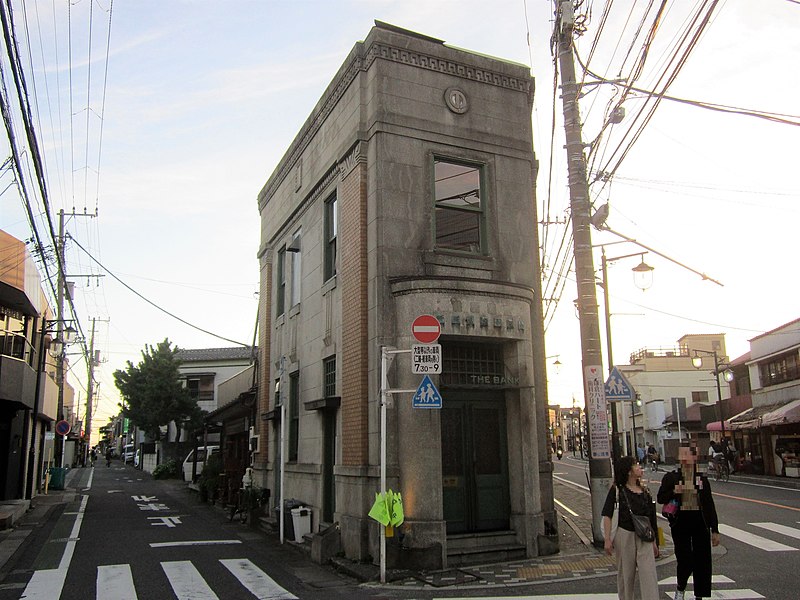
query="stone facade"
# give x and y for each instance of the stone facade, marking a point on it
(401, 104)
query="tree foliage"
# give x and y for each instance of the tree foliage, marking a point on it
(152, 391)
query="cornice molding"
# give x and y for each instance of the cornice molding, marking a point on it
(360, 59)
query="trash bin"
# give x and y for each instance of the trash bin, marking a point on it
(286, 514)
(58, 476)
(301, 519)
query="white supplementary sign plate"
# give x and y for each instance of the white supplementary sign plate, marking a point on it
(426, 359)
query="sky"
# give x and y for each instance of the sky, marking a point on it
(168, 128)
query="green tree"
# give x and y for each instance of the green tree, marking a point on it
(152, 391)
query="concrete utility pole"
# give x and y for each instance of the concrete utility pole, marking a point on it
(580, 206)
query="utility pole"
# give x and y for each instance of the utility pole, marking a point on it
(91, 362)
(593, 384)
(61, 243)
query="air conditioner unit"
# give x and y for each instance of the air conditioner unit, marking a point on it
(252, 431)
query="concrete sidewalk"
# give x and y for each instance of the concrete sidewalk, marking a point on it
(577, 558)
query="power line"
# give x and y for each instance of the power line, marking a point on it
(153, 304)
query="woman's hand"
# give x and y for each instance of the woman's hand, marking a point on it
(715, 539)
(656, 550)
(608, 546)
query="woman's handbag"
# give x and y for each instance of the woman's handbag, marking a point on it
(641, 524)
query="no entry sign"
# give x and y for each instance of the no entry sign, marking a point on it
(426, 329)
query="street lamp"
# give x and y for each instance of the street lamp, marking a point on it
(643, 279)
(719, 368)
(56, 350)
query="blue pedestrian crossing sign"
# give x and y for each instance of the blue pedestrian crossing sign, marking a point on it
(427, 396)
(617, 388)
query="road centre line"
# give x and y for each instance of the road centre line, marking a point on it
(764, 502)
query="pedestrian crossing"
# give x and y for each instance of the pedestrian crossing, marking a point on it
(760, 542)
(115, 582)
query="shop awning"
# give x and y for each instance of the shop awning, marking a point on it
(763, 416)
(788, 413)
(716, 426)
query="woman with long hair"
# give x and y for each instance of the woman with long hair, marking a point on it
(689, 506)
(633, 554)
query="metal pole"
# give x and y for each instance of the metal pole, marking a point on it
(29, 487)
(60, 336)
(384, 386)
(281, 395)
(597, 415)
(613, 407)
(719, 395)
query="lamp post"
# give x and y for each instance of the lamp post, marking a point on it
(56, 350)
(697, 362)
(643, 279)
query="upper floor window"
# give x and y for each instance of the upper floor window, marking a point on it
(296, 269)
(280, 289)
(459, 214)
(329, 370)
(331, 227)
(294, 416)
(780, 369)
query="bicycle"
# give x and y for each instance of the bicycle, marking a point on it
(238, 507)
(722, 471)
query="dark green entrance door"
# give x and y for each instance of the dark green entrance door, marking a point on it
(475, 464)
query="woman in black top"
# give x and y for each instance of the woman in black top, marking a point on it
(633, 554)
(689, 506)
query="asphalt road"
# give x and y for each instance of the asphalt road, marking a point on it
(760, 530)
(127, 536)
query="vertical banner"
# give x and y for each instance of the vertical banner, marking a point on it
(597, 412)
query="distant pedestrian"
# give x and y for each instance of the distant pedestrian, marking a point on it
(689, 507)
(640, 453)
(109, 456)
(93, 456)
(633, 554)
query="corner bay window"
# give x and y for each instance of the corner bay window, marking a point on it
(459, 211)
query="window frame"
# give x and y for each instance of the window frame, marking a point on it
(280, 283)
(296, 269)
(480, 210)
(293, 417)
(329, 376)
(330, 232)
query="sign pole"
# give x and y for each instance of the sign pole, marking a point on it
(384, 395)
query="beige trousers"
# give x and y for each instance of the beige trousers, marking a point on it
(635, 556)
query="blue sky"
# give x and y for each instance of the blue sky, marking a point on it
(203, 97)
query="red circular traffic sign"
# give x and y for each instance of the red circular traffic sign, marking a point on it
(62, 428)
(426, 329)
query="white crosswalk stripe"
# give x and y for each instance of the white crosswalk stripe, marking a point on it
(261, 585)
(754, 540)
(186, 581)
(778, 528)
(115, 582)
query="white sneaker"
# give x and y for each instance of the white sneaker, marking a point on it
(678, 595)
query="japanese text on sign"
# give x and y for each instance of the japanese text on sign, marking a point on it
(426, 359)
(597, 413)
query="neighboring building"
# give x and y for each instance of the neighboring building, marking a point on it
(770, 430)
(204, 369)
(23, 309)
(409, 190)
(671, 392)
